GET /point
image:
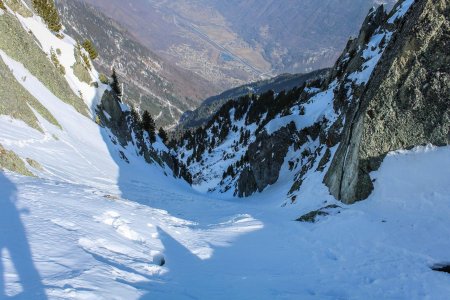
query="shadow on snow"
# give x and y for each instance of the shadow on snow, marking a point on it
(13, 240)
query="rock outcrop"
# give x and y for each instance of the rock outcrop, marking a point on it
(405, 103)
(268, 154)
(126, 131)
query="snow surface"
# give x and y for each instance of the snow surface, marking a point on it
(86, 243)
(318, 107)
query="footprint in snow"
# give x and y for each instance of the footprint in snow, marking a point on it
(65, 224)
(113, 218)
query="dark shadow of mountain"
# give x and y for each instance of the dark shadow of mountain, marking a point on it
(143, 180)
(178, 259)
(13, 238)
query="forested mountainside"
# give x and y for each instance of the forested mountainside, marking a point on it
(387, 91)
(201, 115)
(150, 82)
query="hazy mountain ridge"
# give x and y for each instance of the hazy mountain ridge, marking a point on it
(211, 105)
(230, 43)
(171, 29)
(150, 82)
(297, 36)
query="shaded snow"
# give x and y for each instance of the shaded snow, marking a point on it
(89, 244)
(401, 11)
(371, 55)
(318, 107)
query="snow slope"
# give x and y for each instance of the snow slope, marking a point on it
(89, 244)
(91, 226)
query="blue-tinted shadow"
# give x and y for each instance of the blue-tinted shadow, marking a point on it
(13, 238)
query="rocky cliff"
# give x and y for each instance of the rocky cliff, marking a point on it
(125, 131)
(406, 102)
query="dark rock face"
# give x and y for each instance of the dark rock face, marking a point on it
(405, 104)
(122, 126)
(117, 119)
(247, 183)
(267, 157)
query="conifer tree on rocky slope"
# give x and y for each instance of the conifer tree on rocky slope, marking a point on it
(90, 48)
(115, 84)
(47, 10)
(148, 124)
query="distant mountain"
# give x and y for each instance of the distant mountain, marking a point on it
(296, 35)
(210, 106)
(150, 81)
(230, 43)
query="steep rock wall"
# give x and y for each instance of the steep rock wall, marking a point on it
(406, 102)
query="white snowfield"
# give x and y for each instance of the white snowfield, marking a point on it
(91, 226)
(62, 240)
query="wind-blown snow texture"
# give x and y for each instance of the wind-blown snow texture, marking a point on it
(87, 243)
(92, 226)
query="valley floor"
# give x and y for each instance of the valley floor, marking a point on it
(61, 240)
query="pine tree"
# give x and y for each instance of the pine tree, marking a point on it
(90, 48)
(163, 135)
(136, 118)
(47, 10)
(115, 85)
(54, 22)
(86, 60)
(148, 124)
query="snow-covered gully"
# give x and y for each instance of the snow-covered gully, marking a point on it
(92, 225)
(85, 242)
